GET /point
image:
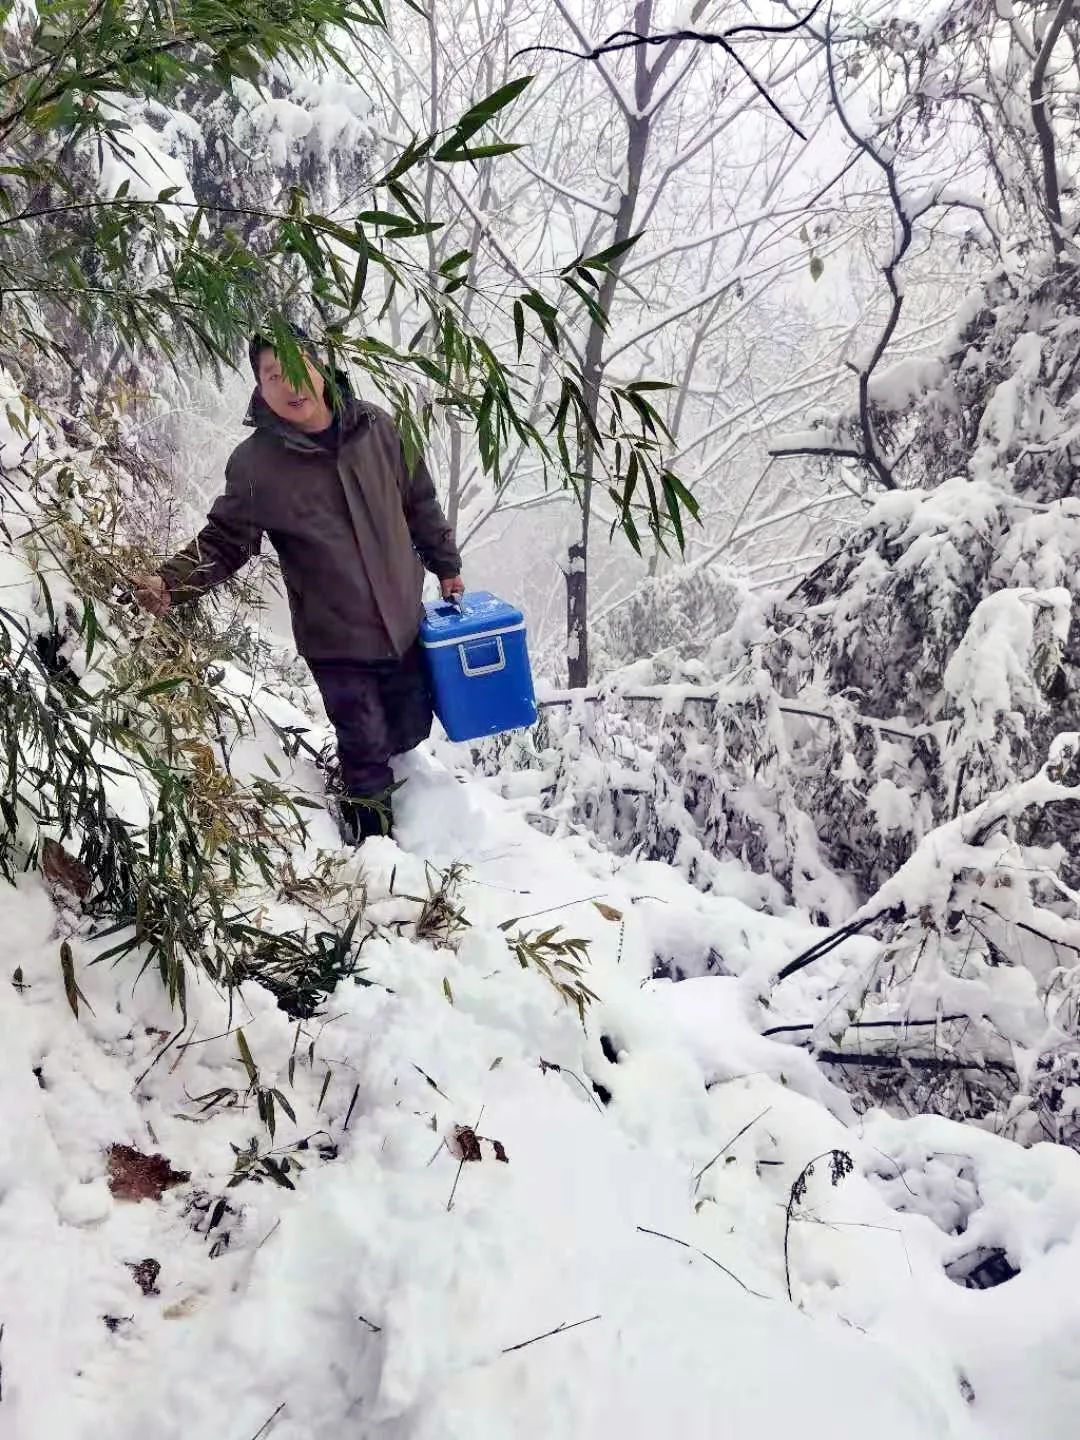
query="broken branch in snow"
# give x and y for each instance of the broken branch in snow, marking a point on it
(831, 941)
(644, 1230)
(559, 1330)
(913, 1062)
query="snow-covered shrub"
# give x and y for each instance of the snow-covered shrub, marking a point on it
(853, 737)
(117, 735)
(679, 614)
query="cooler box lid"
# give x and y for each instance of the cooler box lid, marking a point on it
(480, 613)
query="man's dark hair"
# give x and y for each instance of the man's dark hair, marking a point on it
(263, 340)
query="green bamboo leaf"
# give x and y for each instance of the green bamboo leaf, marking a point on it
(485, 110)
(283, 1102)
(457, 154)
(89, 628)
(519, 325)
(162, 687)
(363, 259)
(247, 1058)
(603, 259)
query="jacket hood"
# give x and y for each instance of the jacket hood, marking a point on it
(353, 414)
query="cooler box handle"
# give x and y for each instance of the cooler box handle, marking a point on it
(484, 656)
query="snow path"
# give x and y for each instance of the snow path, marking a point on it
(360, 1305)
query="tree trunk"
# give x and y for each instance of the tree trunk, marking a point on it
(592, 371)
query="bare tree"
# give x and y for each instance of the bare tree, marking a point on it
(950, 107)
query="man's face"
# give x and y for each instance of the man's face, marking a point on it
(304, 407)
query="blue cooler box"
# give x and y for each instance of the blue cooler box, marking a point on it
(479, 666)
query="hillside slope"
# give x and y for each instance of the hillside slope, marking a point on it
(356, 1299)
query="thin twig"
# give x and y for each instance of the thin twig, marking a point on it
(632, 40)
(901, 1024)
(265, 1429)
(461, 1164)
(551, 909)
(644, 1230)
(375, 1329)
(738, 1136)
(795, 1197)
(276, 1225)
(183, 1051)
(167, 1046)
(559, 1330)
(352, 1102)
(430, 1081)
(546, 1065)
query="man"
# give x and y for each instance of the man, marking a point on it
(351, 522)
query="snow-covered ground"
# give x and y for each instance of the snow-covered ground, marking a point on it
(364, 1303)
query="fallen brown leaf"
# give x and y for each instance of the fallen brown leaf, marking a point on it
(135, 1176)
(63, 870)
(465, 1144)
(608, 911)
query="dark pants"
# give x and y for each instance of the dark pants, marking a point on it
(378, 708)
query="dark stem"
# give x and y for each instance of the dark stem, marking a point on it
(830, 942)
(1043, 130)
(559, 1330)
(264, 1429)
(644, 1230)
(866, 1025)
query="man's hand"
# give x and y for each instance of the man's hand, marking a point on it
(151, 593)
(452, 587)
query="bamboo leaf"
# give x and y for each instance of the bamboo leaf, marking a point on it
(247, 1058)
(67, 970)
(483, 112)
(363, 260)
(162, 687)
